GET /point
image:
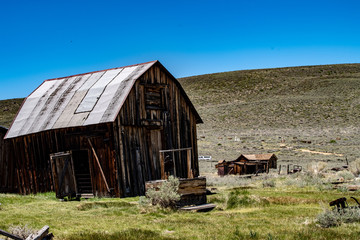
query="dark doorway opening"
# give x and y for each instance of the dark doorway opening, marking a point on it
(82, 171)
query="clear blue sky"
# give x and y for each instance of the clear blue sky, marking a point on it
(47, 39)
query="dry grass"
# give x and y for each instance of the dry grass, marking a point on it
(285, 212)
(280, 111)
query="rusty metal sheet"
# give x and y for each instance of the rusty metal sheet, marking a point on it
(77, 100)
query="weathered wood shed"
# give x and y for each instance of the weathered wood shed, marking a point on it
(247, 164)
(104, 133)
(253, 163)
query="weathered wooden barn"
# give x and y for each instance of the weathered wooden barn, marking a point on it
(104, 133)
(7, 176)
(247, 164)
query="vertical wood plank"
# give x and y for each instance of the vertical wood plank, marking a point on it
(189, 170)
(162, 165)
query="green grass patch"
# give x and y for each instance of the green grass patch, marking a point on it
(280, 212)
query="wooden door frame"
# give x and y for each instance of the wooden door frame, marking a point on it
(90, 164)
(53, 157)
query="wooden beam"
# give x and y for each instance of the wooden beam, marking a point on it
(9, 235)
(40, 234)
(99, 165)
(199, 208)
(175, 150)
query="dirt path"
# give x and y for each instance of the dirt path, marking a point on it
(322, 153)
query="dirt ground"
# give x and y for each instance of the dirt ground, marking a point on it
(301, 146)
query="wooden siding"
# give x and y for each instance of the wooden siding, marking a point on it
(156, 115)
(142, 129)
(32, 157)
(7, 176)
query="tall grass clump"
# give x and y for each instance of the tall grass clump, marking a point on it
(21, 231)
(238, 198)
(346, 175)
(242, 198)
(316, 168)
(228, 181)
(167, 195)
(268, 183)
(308, 179)
(334, 218)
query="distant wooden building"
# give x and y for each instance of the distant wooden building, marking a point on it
(247, 164)
(104, 133)
(7, 174)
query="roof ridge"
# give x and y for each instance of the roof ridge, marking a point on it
(81, 74)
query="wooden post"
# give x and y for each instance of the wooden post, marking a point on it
(288, 169)
(98, 162)
(40, 234)
(189, 170)
(267, 167)
(173, 158)
(162, 165)
(279, 169)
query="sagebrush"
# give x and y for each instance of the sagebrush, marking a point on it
(167, 195)
(21, 231)
(333, 218)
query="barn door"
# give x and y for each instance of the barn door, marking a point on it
(62, 169)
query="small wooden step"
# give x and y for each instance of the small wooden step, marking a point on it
(200, 208)
(86, 195)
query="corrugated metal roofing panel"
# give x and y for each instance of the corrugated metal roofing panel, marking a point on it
(46, 112)
(75, 97)
(63, 101)
(77, 100)
(30, 109)
(122, 92)
(95, 92)
(109, 93)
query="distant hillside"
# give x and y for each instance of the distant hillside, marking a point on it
(274, 110)
(281, 97)
(288, 111)
(8, 110)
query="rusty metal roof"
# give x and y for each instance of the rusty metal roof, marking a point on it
(77, 100)
(258, 157)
